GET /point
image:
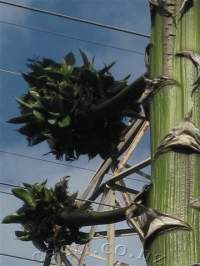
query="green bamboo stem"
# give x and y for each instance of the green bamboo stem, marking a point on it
(175, 175)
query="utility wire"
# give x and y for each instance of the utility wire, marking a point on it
(76, 19)
(8, 184)
(84, 200)
(10, 71)
(21, 258)
(71, 37)
(52, 162)
(94, 202)
(7, 193)
(46, 161)
(90, 201)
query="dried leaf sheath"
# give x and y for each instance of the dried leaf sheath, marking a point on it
(183, 138)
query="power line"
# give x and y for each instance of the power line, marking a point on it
(21, 258)
(7, 193)
(8, 184)
(84, 200)
(10, 71)
(71, 37)
(76, 19)
(57, 163)
(47, 161)
(90, 201)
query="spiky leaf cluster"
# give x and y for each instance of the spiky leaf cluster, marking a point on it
(39, 213)
(59, 103)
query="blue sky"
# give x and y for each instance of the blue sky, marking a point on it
(16, 45)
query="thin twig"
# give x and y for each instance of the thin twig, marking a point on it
(92, 230)
(64, 259)
(120, 176)
(96, 180)
(71, 253)
(48, 257)
(58, 259)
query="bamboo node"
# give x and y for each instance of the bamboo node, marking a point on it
(195, 58)
(185, 137)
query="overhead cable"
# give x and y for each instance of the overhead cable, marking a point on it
(10, 71)
(21, 258)
(71, 37)
(58, 163)
(45, 160)
(7, 193)
(76, 19)
(84, 200)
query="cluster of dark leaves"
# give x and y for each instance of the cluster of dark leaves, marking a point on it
(58, 106)
(38, 215)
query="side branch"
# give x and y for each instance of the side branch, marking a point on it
(134, 90)
(84, 218)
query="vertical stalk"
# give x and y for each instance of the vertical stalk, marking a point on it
(175, 175)
(92, 229)
(111, 234)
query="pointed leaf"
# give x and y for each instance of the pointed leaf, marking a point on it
(51, 85)
(126, 78)
(23, 236)
(93, 59)
(66, 70)
(38, 105)
(26, 185)
(54, 114)
(26, 130)
(52, 121)
(37, 140)
(30, 79)
(34, 94)
(44, 182)
(20, 233)
(47, 195)
(84, 58)
(74, 196)
(55, 75)
(14, 218)
(24, 195)
(23, 103)
(39, 245)
(21, 119)
(106, 68)
(38, 115)
(70, 59)
(48, 62)
(65, 122)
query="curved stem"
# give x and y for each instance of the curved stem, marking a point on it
(132, 90)
(84, 218)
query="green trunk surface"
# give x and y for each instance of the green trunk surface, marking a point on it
(176, 176)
